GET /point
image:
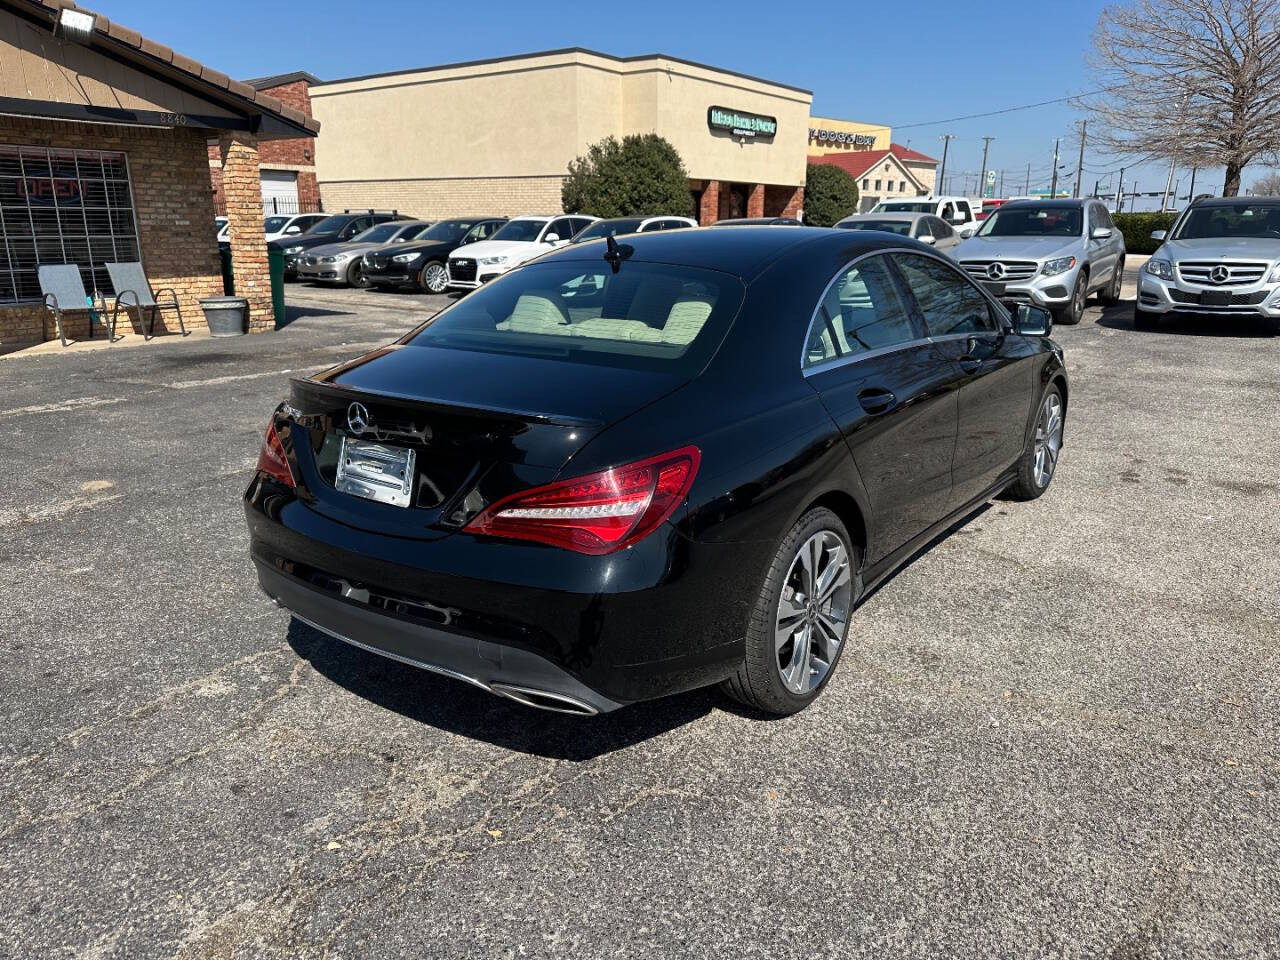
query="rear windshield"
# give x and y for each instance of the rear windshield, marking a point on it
(608, 228)
(522, 230)
(1242, 220)
(1034, 222)
(647, 316)
(902, 227)
(905, 206)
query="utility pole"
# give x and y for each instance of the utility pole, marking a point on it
(1191, 194)
(942, 173)
(1120, 193)
(982, 173)
(1001, 193)
(1053, 189)
(1084, 126)
(1095, 187)
(1027, 189)
(1168, 185)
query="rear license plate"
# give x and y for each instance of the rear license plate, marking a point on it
(995, 289)
(1215, 298)
(376, 471)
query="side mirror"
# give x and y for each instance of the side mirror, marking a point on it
(293, 228)
(1100, 233)
(551, 238)
(1032, 321)
(1158, 235)
(967, 231)
(927, 238)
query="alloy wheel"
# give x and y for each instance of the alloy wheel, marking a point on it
(1078, 299)
(813, 612)
(1048, 439)
(435, 277)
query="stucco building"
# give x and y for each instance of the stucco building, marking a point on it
(888, 174)
(496, 136)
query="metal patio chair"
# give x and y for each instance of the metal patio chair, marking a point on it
(133, 289)
(64, 292)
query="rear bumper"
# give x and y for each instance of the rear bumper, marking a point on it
(667, 615)
(502, 670)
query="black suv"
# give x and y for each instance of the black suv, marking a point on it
(334, 228)
(421, 262)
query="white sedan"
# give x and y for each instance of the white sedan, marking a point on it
(519, 239)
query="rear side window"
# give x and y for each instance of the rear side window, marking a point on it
(646, 316)
(861, 311)
(949, 303)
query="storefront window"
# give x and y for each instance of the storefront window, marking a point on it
(63, 206)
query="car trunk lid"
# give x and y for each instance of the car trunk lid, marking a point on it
(481, 425)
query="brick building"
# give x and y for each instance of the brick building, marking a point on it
(104, 158)
(288, 165)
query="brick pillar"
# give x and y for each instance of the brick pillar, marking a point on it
(709, 207)
(795, 204)
(755, 200)
(242, 189)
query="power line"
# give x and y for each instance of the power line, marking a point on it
(996, 113)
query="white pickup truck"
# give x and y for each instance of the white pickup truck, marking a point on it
(957, 211)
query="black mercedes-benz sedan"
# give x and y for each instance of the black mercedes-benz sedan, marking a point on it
(630, 469)
(421, 263)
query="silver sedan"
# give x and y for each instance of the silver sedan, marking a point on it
(924, 227)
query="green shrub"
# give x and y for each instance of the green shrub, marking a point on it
(641, 174)
(830, 194)
(1137, 228)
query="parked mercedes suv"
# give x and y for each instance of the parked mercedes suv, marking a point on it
(1049, 253)
(1221, 258)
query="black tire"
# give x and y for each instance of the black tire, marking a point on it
(1144, 320)
(1111, 296)
(1073, 312)
(1029, 486)
(355, 274)
(427, 286)
(758, 682)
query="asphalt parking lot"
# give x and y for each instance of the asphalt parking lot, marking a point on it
(1056, 733)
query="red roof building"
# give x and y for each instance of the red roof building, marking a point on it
(885, 174)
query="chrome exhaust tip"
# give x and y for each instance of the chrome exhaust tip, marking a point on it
(543, 699)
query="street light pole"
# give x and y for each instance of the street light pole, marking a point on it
(1120, 193)
(1027, 189)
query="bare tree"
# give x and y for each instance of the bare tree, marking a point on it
(1267, 186)
(1195, 80)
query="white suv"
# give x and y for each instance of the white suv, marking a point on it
(957, 211)
(518, 240)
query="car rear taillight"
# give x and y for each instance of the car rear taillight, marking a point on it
(271, 458)
(596, 514)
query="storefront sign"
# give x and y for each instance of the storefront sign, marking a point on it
(839, 136)
(742, 124)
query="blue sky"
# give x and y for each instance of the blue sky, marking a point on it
(900, 64)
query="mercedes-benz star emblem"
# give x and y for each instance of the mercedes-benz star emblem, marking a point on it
(995, 271)
(1219, 274)
(358, 419)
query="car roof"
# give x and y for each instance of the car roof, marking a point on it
(1061, 202)
(744, 252)
(756, 221)
(1235, 201)
(888, 215)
